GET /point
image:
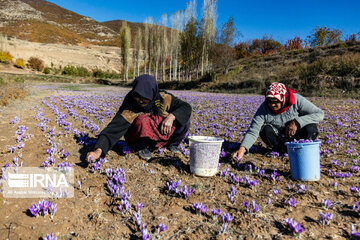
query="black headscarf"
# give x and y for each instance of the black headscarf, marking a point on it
(146, 86)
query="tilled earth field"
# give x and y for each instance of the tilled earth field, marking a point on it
(57, 124)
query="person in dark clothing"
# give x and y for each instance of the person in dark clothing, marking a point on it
(148, 118)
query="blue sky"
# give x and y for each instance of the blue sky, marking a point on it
(280, 19)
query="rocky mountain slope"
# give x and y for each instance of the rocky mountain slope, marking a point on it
(42, 21)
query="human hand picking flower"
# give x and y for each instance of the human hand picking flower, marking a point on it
(291, 128)
(167, 124)
(239, 154)
(93, 155)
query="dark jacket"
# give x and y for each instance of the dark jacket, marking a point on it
(129, 110)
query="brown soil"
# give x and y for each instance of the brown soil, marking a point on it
(92, 214)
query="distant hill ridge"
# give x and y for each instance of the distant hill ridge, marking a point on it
(45, 22)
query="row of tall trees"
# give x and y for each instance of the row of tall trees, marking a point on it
(174, 53)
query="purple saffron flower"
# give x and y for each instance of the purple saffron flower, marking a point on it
(294, 226)
(161, 228)
(231, 198)
(50, 236)
(161, 151)
(222, 153)
(78, 183)
(53, 209)
(276, 192)
(246, 204)
(255, 208)
(139, 205)
(66, 154)
(325, 218)
(326, 203)
(292, 202)
(216, 212)
(137, 219)
(226, 218)
(353, 233)
(224, 172)
(233, 190)
(144, 232)
(199, 208)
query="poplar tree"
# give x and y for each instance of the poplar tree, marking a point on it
(125, 38)
(207, 32)
(163, 45)
(137, 51)
(150, 23)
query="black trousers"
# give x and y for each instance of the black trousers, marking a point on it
(275, 139)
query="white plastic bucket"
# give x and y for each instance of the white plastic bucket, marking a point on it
(204, 155)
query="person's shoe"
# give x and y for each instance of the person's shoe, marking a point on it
(174, 149)
(145, 154)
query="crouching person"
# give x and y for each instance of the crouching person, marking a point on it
(282, 117)
(148, 118)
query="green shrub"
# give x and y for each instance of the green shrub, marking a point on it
(5, 57)
(19, 63)
(36, 64)
(2, 81)
(47, 70)
(76, 71)
(83, 72)
(19, 80)
(104, 74)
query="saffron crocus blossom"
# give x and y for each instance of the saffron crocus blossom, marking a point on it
(216, 212)
(255, 207)
(139, 205)
(226, 218)
(42, 208)
(137, 219)
(246, 204)
(292, 202)
(144, 232)
(78, 183)
(161, 228)
(294, 226)
(325, 218)
(224, 172)
(199, 208)
(354, 233)
(50, 236)
(326, 203)
(356, 206)
(15, 120)
(53, 209)
(276, 192)
(161, 151)
(231, 198)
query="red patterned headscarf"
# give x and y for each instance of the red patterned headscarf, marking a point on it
(280, 92)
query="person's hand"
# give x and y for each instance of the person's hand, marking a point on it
(239, 154)
(167, 123)
(291, 128)
(92, 156)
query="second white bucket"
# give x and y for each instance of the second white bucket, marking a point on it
(204, 155)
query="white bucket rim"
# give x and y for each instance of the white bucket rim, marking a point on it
(205, 139)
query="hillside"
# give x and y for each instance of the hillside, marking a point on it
(320, 71)
(45, 22)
